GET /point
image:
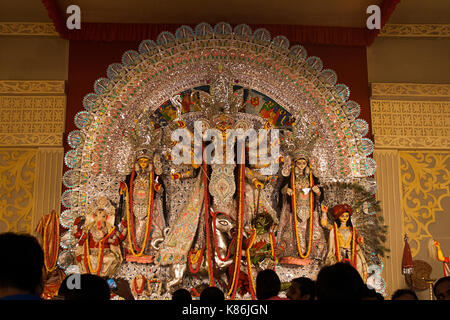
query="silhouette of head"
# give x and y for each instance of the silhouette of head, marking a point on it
(22, 263)
(181, 295)
(441, 288)
(212, 294)
(268, 284)
(339, 282)
(301, 289)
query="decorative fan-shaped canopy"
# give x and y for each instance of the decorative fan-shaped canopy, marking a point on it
(148, 78)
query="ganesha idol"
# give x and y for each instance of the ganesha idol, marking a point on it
(98, 250)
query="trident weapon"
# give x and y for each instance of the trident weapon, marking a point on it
(257, 201)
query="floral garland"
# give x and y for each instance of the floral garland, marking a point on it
(87, 258)
(52, 265)
(198, 259)
(130, 224)
(208, 244)
(238, 255)
(139, 291)
(272, 246)
(249, 265)
(311, 215)
(353, 240)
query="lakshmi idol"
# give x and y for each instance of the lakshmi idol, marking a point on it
(300, 237)
(141, 203)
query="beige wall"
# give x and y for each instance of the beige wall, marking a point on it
(409, 60)
(33, 58)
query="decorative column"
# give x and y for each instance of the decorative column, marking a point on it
(389, 194)
(47, 186)
(32, 115)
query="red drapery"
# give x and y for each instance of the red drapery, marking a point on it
(340, 36)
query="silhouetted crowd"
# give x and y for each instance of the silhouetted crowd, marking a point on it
(22, 278)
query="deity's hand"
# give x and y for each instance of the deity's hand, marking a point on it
(316, 190)
(274, 228)
(181, 123)
(281, 159)
(324, 222)
(175, 175)
(289, 191)
(258, 184)
(157, 186)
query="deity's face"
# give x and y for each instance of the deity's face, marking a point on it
(100, 219)
(143, 163)
(301, 164)
(344, 218)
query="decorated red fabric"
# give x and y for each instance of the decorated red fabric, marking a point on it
(407, 261)
(342, 36)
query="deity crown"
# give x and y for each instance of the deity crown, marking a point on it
(222, 99)
(144, 137)
(300, 140)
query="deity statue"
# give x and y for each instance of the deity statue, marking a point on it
(139, 286)
(299, 234)
(262, 253)
(142, 202)
(344, 242)
(98, 248)
(261, 194)
(435, 251)
(48, 234)
(300, 239)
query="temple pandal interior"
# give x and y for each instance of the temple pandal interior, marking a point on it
(193, 144)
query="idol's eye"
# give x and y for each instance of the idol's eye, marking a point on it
(224, 223)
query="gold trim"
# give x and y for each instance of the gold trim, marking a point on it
(412, 142)
(27, 29)
(31, 140)
(410, 90)
(416, 30)
(32, 86)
